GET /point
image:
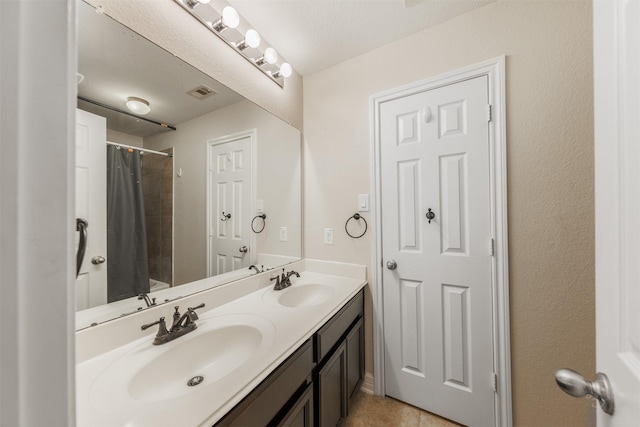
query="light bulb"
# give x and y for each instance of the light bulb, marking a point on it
(252, 38)
(270, 55)
(230, 17)
(286, 70)
(138, 105)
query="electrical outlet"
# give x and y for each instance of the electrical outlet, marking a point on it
(328, 236)
(283, 234)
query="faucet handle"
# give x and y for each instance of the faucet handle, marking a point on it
(192, 315)
(278, 285)
(162, 328)
(148, 325)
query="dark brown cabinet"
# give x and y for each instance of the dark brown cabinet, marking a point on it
(276, 394)
(355, 358)
(301, 413)
(340, 369)
(314, 386)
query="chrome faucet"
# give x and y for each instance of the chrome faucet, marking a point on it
(182, 324)
(146, 299)
(255, 267)
(283, 281)
(287, 278)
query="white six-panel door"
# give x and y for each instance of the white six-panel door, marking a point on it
(229, 193)
(91, 204)
(617, 191)
(438, 324)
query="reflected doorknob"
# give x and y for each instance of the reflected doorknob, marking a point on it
(392, 264)
(576, 385)
(97, 260)
(244, 249)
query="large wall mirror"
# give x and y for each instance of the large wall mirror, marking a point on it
(215, 189)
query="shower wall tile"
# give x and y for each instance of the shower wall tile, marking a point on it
(158, 198)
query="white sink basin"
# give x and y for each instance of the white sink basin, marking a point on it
(219, 347)
(301, 295)
(212, 355)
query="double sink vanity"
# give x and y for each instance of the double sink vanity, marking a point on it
(257, 356)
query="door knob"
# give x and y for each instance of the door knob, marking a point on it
(97, 260)
(244, 249)
(430, 215)
(576, 385)
(392, 265)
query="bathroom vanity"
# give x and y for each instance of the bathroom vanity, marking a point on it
(289, 357)
(314, 385)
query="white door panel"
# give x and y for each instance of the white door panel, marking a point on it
(617, 195)
(230, 194)
(438, 302)
(91, 204)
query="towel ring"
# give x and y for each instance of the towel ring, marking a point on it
(264, 223)
(357, 217)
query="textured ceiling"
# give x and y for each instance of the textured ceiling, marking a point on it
(117, 63)
(315, 34)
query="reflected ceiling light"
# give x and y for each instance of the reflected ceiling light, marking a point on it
(284, 71)
(251, 39)
(228, 19)
(270, 56)
(138, 105)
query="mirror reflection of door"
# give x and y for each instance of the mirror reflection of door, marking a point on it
(91, 283)
(229, 202)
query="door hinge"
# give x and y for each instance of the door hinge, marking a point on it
(495, 382)
(492, 247)
(488, 112)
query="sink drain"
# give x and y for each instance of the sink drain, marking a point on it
(195, 381)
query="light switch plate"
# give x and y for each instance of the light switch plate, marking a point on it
(363, 203)
(283, 234)
(259, 205)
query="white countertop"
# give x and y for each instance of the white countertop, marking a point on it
(106, 395)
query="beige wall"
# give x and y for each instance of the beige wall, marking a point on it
(550, 176)
(278, 182)
(167, 24)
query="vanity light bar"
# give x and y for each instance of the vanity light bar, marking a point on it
(229, 18)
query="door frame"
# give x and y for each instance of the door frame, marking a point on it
(494, 69)
(252, 134)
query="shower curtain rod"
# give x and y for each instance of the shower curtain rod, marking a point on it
(100, 104)
(142, 150)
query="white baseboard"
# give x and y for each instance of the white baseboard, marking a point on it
(367, 384)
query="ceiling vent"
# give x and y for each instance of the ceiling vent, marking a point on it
(201, 92)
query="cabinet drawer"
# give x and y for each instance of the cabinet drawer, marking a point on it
(265, 401)
(337, 326)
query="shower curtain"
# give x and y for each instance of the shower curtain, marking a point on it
(127, 259)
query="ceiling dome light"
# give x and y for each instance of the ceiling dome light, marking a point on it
(251, 39)
(229, 19)
(270, 55)
(138, 105)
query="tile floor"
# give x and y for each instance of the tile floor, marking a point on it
(371, 411)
